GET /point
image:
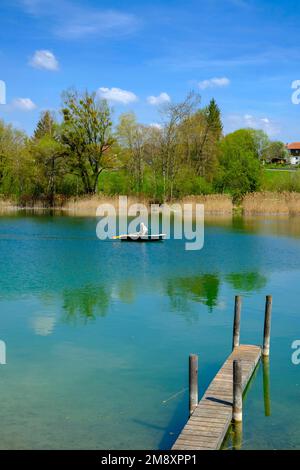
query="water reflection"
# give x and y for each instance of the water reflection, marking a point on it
(237, 436)
(247, 282)
(124, 291)
(43, 325)
(283, 225)
(85, 304)
(234, 438)
(94, 300)
(266, 385)
(203, 289)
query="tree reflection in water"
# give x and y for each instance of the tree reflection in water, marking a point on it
(87, 303)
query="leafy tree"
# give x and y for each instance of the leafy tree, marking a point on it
(16, 165)
(276, 149)
(87, 136)
(261, 142)
(154, 182)
(6, 147)
(49, 156)
(201, 134)
(186, 154)
(171, 156)
(133, 138)
(240, 168)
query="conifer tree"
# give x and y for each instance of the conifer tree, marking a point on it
(45, 126)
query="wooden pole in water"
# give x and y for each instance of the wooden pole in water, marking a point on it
(267, 326)
(193, 382)
(266, 384)
(237, 321)
(237, 412)
(237, 437)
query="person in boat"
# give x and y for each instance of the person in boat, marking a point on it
(143, 229)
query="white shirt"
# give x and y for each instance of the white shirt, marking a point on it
(143, 229)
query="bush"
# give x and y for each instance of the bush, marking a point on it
(187, 183)
(114, 183)
(240, 169)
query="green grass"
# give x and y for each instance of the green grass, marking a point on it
(281, 181)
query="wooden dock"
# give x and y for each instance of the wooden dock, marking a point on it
(210, 421)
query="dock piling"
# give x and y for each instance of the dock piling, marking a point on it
(267, 326)
(222, 403)
(266, 384)
(193, 382)
(237, 412)
(237, 436)
(211, 419)
(237, 321)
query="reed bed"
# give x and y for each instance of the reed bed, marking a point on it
(213, 204)
(271, 203)
(218, 204)
(261, 203)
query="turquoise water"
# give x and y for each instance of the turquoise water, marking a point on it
(98, 333)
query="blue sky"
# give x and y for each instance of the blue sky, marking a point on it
(244, 53)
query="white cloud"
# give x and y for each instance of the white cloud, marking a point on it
(117, 95)
(104, 23)
(23, 104)
(160, 99)
(44, 59)
(214, 83)
(260, 123)
(237, 121)
(156, 125)
(43, 325)
(69, 20)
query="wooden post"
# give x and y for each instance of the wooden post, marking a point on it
(267, 326)
(237, 412)
(237, 321)
(193, 382)
(266, 384)
(237, 435)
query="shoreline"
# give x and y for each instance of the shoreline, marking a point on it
(220, 205)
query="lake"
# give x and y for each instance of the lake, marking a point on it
(98, 334)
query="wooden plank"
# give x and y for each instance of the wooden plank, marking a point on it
(208, 425)
(186, 447)
(213, 426)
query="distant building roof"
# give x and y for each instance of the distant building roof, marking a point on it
(294, 146)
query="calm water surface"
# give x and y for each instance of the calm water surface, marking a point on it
(98, 333)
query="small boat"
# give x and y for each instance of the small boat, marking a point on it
(136, 237)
